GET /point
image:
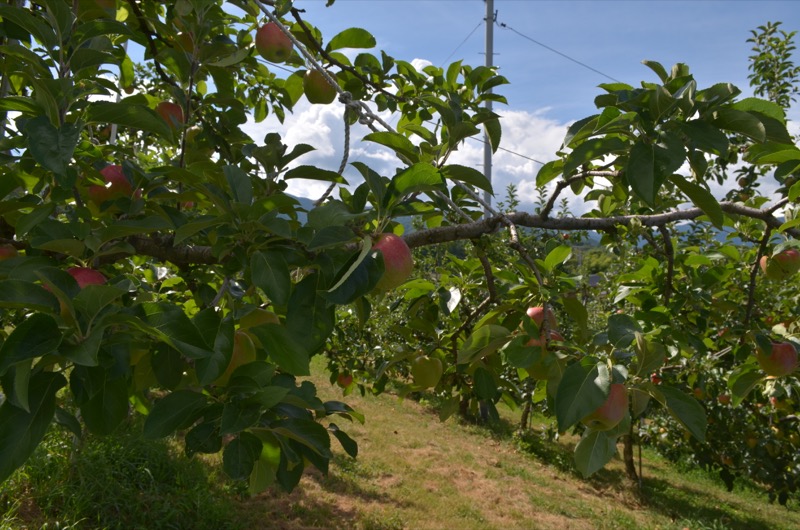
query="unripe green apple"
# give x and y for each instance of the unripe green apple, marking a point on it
(397, 261)
(609, 414)
(780, 361)
(781, 265)
(244, 351)
(272, 43)
(426, 371)
(317, 88)
(7, 251)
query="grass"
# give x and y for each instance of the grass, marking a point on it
(413, 472)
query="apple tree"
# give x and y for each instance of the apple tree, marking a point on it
(160, 268)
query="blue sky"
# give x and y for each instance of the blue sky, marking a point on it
(547, 91)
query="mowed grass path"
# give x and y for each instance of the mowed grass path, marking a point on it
(415, 472)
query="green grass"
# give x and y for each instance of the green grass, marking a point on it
(413, 472)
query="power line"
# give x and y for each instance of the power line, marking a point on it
(463, 42)
(595, 70)
(508, 150)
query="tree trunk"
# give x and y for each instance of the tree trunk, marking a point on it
(627, 456)
(526, 414)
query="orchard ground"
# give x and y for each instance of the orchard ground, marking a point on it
(418, 473)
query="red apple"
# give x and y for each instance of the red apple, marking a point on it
(272, 43)
(724, 399)
(86, 276)
(610, 413)
(781, 265)
(655, 379)
(537, 314)
(782, 359)
(397, 261)
(7, 251)
(117, 186)
(344, 380)
(172, 113)
(317, 88)
(698, 393)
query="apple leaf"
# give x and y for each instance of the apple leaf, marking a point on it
(742, 380)
(594, 451)
(351, 38)
(702, 198)
(22, 430)
(683, 408)
(241, 454)
(172, 412)
(34, 337)
(484, 341)
(584, 387)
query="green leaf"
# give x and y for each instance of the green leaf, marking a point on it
(283, 349)
(21, 104)
(108, 405)
(309, 433)
(575, 309)
(21, 294)
(418, 178)
(270, 273)
(649, 356)
(494, 132)
(640, 172)
(351, 38)
(265, 468)
(702, 198)
(557, 256)
(348, 444)
(238, 416)
(594, 451)
(743, 380)
(240, 455)
(314, 173)
(177, 410)
(124, 114)
(482, 342)
(660, 71)
(549, 171)
(34, 337)
(398, 143)
(740, 122)
(590, 150)
(467, 175)
(705, 136)
(52, 147)
(21, 430)
(170, 324)
(685, 409)
(584, 387)
(762, 106)
(240, 185)
(622, 330)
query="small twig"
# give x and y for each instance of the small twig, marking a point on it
(563, 184)
(669, 251)
(151, 44)
(751, 290)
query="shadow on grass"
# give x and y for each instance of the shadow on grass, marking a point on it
(680, 503)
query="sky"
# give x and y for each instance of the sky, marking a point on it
(547, 90)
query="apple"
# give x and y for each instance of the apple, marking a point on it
(782, 359)
(537, 315)
(609, 414)
(86, 276)
(781, 265)
(426, 371)
(172, 113)
(655, 379)
(7, 251)
(317, 88)
(272, 43)
(344, 380)
(554, 335)
(117, 186)
(751, 441)
(244, 351)
(397, 261)
(698, 393)
(724, 399)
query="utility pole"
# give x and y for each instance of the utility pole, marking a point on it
(491, 17)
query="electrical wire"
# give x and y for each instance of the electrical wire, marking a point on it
(463, 42)
(595, 70)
